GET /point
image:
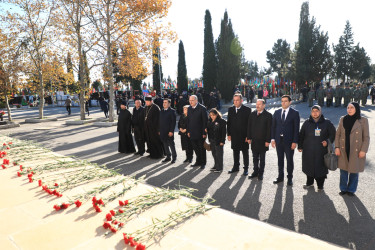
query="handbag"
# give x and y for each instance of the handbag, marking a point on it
(330, 159)
(207, 145)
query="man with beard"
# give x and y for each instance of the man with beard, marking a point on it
(152, 116)
(238, 116)
(124, 125)
(138, 126)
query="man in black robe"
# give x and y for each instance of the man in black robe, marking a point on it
(138, 119)
(238, 116)
(124, 125)
(167, 126)
(151, 127)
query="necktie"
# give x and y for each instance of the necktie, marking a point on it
(283, 117)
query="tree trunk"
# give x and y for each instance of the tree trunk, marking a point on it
(110, 70)
(41, 103)
(8, 108)
(82, 79)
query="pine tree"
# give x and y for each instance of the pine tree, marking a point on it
(343, 53)
(229, 52)
(182, 80)
(157, 75)
(209, 57)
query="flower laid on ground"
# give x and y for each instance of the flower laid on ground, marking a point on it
(61, 206)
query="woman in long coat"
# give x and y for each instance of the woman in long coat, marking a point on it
(352, 142)
(313, 143)
(124, 126)
(185, 140)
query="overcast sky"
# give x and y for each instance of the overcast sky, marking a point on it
(260, 23)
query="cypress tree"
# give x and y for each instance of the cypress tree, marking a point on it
(156, 65)
(343, 53)
(209, 57)
(229, 59)
(182, 81)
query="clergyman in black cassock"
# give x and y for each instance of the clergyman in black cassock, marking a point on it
(152, 116)
(124, 126)
(138, 119)
(167, 127)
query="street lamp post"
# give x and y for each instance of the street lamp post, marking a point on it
(283, 71)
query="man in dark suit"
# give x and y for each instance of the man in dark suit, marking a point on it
(167, 126)
(196, 128)
(238, 117)
(285, 129)
(259, 136)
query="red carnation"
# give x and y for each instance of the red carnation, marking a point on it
(3, 167)
(30, 179)
(30, 175)
(97, 209)
(120, 211)
(112, 212)
(21, 167)
(56, 185)
(78, 203)
(10, 143)
(94, 199)
(126, 202)
(132, 242)
(14, 163)
(115, 222)
(57, 207)
(4, 144)
(126, 239)
(106, 225)
(108, 217)
(54, 192)
(40, 183)
(114, 230)
(140, 247)
(121, 203)
(8, 147)
(19, 174)
(100, 202)
(121, 224)
(65, 206)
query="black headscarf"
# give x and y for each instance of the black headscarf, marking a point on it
(349, 121)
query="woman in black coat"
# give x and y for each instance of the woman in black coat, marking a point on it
(313, 141)
(185, 140)
(216, 130)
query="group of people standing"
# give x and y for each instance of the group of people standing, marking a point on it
(245, 128)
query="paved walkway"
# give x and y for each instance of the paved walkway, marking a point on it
(345, 221)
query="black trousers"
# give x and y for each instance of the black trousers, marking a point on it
(169, 146)
(319, 181)
(236, 159)
(283, 149)
(329, 102)
(373, 99)
(259, 161)
(218, 154)
(69, 110)
(139, 140)
(200, 151)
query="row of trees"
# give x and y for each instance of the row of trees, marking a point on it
(312, 59)
(118, 35)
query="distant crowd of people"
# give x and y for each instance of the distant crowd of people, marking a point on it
(201, 128)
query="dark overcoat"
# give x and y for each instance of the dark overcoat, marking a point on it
(259, 130)
(197, 122)
(167, 123)
(138, 120)
(216, 130)
(185, 141)
(237, 127)
(312, 148)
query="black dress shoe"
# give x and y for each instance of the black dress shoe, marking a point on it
(218, 171)
(350, 194)
(260, 177)
(195, 165)
(186, 160)
(233, 171)
(290, 182)
(173, 161)
(203, 166)
(212, 169)
(190, 160)
(166, 159)
(277, 181)
(253, 176)
(245, 173)
(342, 193)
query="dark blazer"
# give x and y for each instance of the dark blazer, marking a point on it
(289, 128)
(216, 130)
(167, 123)
(259, 130)
(237, 127)
(197, 122)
